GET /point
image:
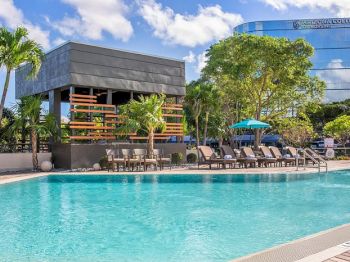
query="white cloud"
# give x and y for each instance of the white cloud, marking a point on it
(58, 41)
(190, 58)
(13, 17)
(336, 75)
(340, 8)
(95, 17)
(210, 23)
(201, 62)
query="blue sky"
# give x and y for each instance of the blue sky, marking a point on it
(178, 29)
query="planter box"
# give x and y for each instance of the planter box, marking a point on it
(71, 156)
(20, 161)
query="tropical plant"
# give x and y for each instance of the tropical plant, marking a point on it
(201, 99)
(264, 76)
(218, 127)
(28, 119)
(144, 115)
(193, 101)
(210, 101)
(15, 49)
(7, 143)
(176, 158)
(327, 112)
(339, 129)
(296, 131)
(191, 158)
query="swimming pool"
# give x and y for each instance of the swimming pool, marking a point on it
(165, 218)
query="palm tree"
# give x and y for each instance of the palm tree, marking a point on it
(28, 119)
(144, 115)
(210, 100)
(193, 100)
(16, 49)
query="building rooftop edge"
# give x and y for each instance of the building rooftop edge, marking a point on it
(289, 20)
(110, 48)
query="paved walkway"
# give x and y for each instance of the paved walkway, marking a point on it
(332, 165)
(323, 246)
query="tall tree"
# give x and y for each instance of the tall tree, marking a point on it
(143, 115)
(15, 49)
(193, 101)
(296, 131)
(325, 113)
(28, 119)
(270, 76)
(210, 102)
(339, 129)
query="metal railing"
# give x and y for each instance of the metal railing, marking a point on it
(316, 159)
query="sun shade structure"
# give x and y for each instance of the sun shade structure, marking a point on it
(250, 124)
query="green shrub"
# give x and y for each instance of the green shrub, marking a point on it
(176, 158)
(342, 158)
(191, 158)
(104, 162)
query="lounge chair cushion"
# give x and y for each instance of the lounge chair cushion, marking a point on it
(269, 156)
(228, 157)
(165, 159)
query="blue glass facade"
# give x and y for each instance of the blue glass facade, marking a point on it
(331, 40)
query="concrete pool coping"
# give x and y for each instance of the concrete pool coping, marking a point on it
(332, 166)
(313, 248)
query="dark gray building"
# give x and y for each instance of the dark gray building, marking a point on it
(80, 74)
(81, 65)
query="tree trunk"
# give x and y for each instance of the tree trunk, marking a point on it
(34, 150)
(4, 93)
(221, 140)
(257, 140)
(205, 128)
(150, 143)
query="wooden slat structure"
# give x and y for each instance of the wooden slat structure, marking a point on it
(103, 130)
(146, 137)
(83, 96)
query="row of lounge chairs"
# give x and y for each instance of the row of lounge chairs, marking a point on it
(246, 157)
(136, 159)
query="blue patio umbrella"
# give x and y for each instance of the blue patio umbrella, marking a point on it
(250, 124)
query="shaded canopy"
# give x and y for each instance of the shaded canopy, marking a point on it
(250, 124)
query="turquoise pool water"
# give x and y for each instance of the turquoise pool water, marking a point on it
(165, 218)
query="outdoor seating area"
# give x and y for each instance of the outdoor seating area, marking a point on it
(247, 157)
(136, 159)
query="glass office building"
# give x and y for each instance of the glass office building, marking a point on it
(331, 40)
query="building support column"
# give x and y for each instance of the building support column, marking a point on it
(55, 109)
(178, 120)
(72, 115)
(109, 96)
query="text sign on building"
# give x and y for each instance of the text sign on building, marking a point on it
(320, 23)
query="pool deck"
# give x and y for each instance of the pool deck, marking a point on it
(332, 245)
(187, 170)
(324, 246)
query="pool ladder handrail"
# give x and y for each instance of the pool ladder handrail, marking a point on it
(313, 156)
